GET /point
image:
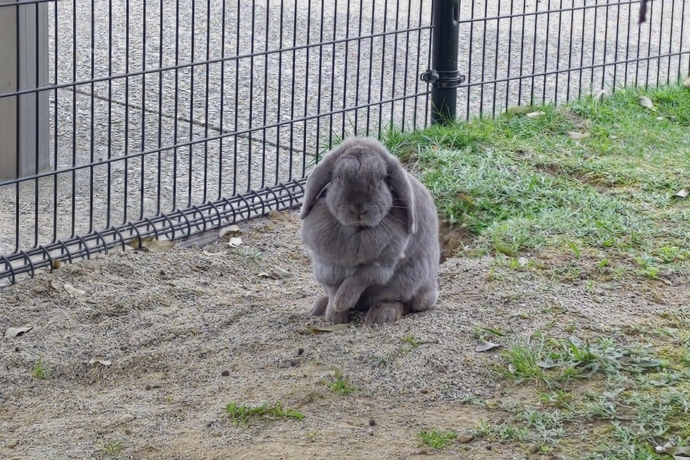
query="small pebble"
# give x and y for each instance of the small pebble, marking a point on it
(11, 444)
(489, 447)
(300, 351)
(127, 418)
(533, 449)
(465, 438)
(225, 373)
(372, 422)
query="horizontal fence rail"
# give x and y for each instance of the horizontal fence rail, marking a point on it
(135, 118)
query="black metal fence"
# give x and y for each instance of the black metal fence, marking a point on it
(136, 118)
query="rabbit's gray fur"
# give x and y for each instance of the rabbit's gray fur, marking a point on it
(372, 232)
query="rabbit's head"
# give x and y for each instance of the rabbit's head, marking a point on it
(363, 180)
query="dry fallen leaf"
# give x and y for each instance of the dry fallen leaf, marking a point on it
(333, 328)
(234, 242)
(660, 118)
(678, 453)
(282, 273)
(576, 135)
(646, 102)
(536, 114)
(520, 109)
(13, 332)
(103, 362)
(152, 244)
(265, 275)
(232, 229)
(487, 346)
(74, 292)
(683, 193)
(158, 245)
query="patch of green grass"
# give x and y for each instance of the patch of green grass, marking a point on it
(437, 439)
(522, 184)
(411, 341)
(241, 414)
(558, 361)
(603, 399)
(39, 371)
(339, 384)
(523, 361)
(112, 448)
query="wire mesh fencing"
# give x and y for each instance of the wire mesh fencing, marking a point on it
(137, 118)
(170, 117)
(553, 51)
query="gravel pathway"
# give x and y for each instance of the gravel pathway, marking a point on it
(100, 124)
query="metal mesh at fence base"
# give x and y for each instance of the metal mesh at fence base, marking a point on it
(175, 226)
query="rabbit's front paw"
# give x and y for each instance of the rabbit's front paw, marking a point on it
(337, 317)
(384, 312)
(318, 308)
(347, 295)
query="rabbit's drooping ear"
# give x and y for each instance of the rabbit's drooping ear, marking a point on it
(397, 178)
(318, 179)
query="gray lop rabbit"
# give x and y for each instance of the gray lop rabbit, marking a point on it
(372, 233)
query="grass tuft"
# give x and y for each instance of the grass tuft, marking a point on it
(437, 439)
(112, 448)
(339, 384)
(558, 361)
(241, 414)
(39, 371)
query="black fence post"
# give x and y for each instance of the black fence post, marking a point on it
(444, 76)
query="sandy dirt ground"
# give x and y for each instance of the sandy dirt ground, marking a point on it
(193, 329)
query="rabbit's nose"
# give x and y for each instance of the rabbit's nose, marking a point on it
(358, 209)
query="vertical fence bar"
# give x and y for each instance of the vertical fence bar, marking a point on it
(443, 75)
(24, 128)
